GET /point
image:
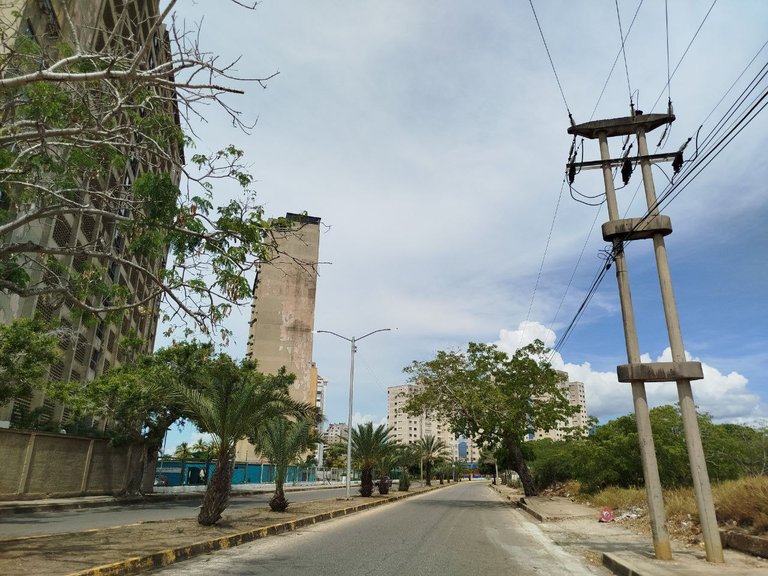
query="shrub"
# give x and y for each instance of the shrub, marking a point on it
(405, 481)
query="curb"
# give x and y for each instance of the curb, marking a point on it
(166, 557)
(754, 545)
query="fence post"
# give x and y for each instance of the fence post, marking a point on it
(128, 468)
(24, 477)
(87, 467)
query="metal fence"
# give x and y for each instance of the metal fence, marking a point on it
(176, 472)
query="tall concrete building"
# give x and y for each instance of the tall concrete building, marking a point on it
(574, 391)
(283, 311)
(90, 348)
(407, 429)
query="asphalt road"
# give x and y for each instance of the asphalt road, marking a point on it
(460, 530)
(17, 525)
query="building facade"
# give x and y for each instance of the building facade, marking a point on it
(283, 312)
(407, 429)
(91, 347)
(336, 433)
(574, 391)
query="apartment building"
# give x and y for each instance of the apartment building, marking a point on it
(574, 391)
(407, 429)
(336, 432)
(91, 347)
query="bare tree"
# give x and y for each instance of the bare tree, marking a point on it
(93, 177)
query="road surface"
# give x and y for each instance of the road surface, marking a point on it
(460, 530)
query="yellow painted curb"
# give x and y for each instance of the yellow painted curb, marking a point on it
(166, 557)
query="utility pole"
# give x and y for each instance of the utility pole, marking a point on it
(653, 226)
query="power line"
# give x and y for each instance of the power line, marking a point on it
(624, 52)
(541, 266)
(615, 61)
(669, 78)
(666, 30)
(705, 155)
(551, 62)
(575, 269)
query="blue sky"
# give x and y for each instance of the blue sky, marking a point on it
(430, 137)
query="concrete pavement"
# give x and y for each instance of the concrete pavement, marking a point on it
(622, 551)
(570, 525)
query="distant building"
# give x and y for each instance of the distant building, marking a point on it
(336, 433)
(321, 386)
(407, 429)
(575, 394)
(283, 312)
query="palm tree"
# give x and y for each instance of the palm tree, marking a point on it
(430, 451)
(235, 401)
(488, 456)
(282, 441)
(406, 457)
(459, 468)
(369, 445)
(203, 450)
(183, 453)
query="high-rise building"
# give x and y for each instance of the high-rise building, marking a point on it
(90, 348)
(408, 429)
(283, 312)
(336, 433)
(322, 385)
(574, 391)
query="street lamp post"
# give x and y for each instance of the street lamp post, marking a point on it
(352, 341)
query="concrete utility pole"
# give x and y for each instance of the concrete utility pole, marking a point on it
(653, 226)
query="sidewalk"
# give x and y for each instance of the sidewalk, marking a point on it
(163, 494)
(576, 527)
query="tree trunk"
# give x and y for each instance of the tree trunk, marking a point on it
(148, 470)
(216, 496)
(428, 472)
(366, 482)
(519, 465)
(278, 503)
(142, 478)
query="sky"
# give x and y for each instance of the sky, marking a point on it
(430, 137)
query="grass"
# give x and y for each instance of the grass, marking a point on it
(742, 502)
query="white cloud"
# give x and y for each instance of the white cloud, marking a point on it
(725, 396)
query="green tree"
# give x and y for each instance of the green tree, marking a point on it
(183, 453)
(283, 441)
(459, 468)
(498, 400)
(406, 457)
(203, 450)
(27, 351)
(138, 400)
(488, 463)
(335, 455)
(431, 450)
(369, 446)
(236, 400)
(78, 119)
(553, 461)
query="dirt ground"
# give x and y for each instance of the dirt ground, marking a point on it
(69, 553)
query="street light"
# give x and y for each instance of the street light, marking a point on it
(352, 341)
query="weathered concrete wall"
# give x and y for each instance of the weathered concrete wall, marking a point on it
(40, 465)
(283, 312)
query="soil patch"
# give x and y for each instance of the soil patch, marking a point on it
(62, 554)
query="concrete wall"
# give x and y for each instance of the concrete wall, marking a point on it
(40, 465)
(283, 312)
